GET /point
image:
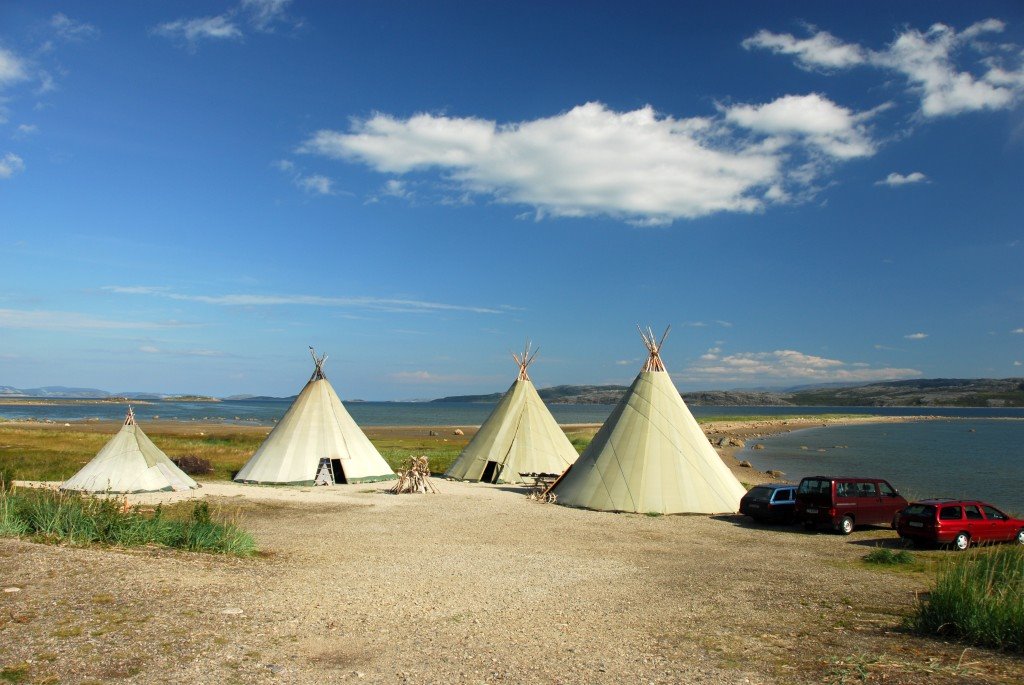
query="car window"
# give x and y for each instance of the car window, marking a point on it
(783, 495)
(866, 490)
(950, 514)
(973, 512)
(760, 493)
(920, 510)
(887, 490)
(814, 486)
(845, 490)
(993, 513)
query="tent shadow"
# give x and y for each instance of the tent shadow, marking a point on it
(743, 521)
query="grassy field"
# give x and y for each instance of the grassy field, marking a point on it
(53, 453)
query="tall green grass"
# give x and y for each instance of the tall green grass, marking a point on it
(59, 517)
(978, 598)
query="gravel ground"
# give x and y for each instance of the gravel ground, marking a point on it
(475, 584)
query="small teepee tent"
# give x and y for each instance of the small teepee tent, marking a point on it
(316, 442)
(650, 456)
(129, 462)
(520, 436)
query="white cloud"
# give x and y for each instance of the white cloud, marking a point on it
(67, 28)
(916, 336)
(263, 14)
(12, 68)
(151, 349)
(428, 377)
(833, 129)
(894, 179)
(316, 184)
(1018, 364)
(60, 321)
(238, 300)
(25, 130)
(787, 364)
(588, 161)
(219, 27)
(928, 62)
(820, 50)
(11, 164)
(258, 15)
(638, 166)
(1017, 330)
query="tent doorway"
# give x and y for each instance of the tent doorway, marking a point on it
(491, 472)
(339, 473)
(329, 472)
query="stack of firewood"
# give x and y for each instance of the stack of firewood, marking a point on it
(415, 477)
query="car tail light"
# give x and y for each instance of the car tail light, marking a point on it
(832, 511)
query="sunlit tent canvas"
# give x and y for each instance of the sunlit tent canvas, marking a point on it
(650, 456)
(316, 442)
(520, 436)
(129, 462)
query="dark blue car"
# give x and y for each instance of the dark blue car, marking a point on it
(770, 502)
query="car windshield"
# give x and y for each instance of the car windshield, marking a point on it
(815, 486)
(760, 493)
(920, 510)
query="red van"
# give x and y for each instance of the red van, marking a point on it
(843, 502)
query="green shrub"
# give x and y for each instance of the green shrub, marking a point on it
(887, 557)
(53, 516)
(978, 598)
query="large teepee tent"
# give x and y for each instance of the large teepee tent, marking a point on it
(650, 455)
(520, 436)
(316, 442)
(129, 462)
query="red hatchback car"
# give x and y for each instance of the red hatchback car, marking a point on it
(957, 522)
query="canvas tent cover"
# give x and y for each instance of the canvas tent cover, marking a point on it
(520, 435)
(650, 456)
(315, 427)
(128, 463)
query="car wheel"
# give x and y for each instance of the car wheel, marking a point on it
(1020, 536)
(961, 542)
(845, 525)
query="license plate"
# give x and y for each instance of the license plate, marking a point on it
(754, 506)
(812, 511)
(915, 524)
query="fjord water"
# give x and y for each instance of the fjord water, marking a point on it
(969, 457)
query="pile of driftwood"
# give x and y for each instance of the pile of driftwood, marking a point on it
(415, 477)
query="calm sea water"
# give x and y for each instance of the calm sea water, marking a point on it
(972, 457)
(266, 412)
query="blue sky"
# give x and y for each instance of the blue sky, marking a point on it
(192, 193)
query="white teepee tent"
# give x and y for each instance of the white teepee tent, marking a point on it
(650, 456)
(129, 462)
(520, 436)
(316, 442)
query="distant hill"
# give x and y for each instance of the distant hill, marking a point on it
(937, 392)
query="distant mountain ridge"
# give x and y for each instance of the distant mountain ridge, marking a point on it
(935, 392)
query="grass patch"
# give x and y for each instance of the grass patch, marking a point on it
(889, 557)
(978, 597)
(59, 517)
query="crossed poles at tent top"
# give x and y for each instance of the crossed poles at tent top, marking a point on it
(318, 371)
(653, 345)
(525, 360)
